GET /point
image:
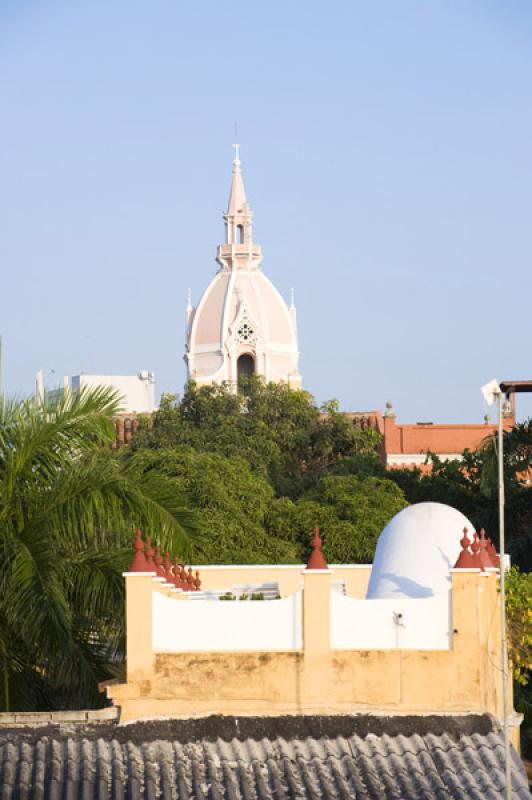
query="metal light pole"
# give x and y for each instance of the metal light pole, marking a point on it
(502, 576)
(491, 391)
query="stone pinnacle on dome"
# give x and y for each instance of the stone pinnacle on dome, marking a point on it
(238, 203)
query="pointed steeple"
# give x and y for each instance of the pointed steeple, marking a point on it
(238, 203)
(239, 250)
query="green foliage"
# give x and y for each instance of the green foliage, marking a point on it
(282, 435)
(231, 502)
(361, 508)
(349, 511)
(471, 486)
(266, 466)
(456, 483)
(68, 509)
(519, 615)
(252, 596)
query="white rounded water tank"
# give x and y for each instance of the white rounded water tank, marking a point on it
(416, 550)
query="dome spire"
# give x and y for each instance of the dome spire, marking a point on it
(238, 203)
(238, 217)
(241, 325)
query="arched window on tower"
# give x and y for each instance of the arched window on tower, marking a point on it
(245, 368)
(240, 234)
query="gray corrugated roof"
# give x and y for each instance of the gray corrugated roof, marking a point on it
(53, 765)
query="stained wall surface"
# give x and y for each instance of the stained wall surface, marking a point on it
(319, 677)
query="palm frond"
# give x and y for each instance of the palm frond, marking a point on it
(68, 511)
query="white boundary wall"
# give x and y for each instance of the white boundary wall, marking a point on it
(181, 626)
(424, 624)
(382, 624)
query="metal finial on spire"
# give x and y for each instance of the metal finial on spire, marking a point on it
(189, 298)
(237, 154)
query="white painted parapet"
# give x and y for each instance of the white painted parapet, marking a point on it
(405, 623)
(207, 625)
(226, 625)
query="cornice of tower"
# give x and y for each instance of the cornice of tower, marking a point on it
(239, 257)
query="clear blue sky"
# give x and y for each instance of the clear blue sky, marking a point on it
(386, 149)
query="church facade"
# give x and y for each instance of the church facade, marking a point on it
(241, 326)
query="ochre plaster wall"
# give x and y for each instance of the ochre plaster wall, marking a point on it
(331, 682)
(317, 679)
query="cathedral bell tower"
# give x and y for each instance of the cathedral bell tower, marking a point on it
(242, 325)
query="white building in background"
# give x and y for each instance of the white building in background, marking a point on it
(242, 325)
(137, 391)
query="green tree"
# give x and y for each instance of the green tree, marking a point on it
(354, 512)
(68, 511)
(309, 466)
(280, 432)
(232, 503)
(519, 615)
(471, 485)
(517, 449)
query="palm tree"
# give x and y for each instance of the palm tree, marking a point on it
(68, 510)
(517, 449)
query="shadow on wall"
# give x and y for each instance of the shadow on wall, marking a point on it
(407, 587)
(446, 559)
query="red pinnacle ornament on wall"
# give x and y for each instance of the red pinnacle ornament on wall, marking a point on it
(466, 559)
(317, 559)
(139, 563)
(485, 557)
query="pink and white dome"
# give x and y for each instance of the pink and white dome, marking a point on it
(241, 324)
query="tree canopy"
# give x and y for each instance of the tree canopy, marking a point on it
(471, 486)
(265, 466)
(280, 432)
(68, 510)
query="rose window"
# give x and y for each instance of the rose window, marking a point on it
(245, 332)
